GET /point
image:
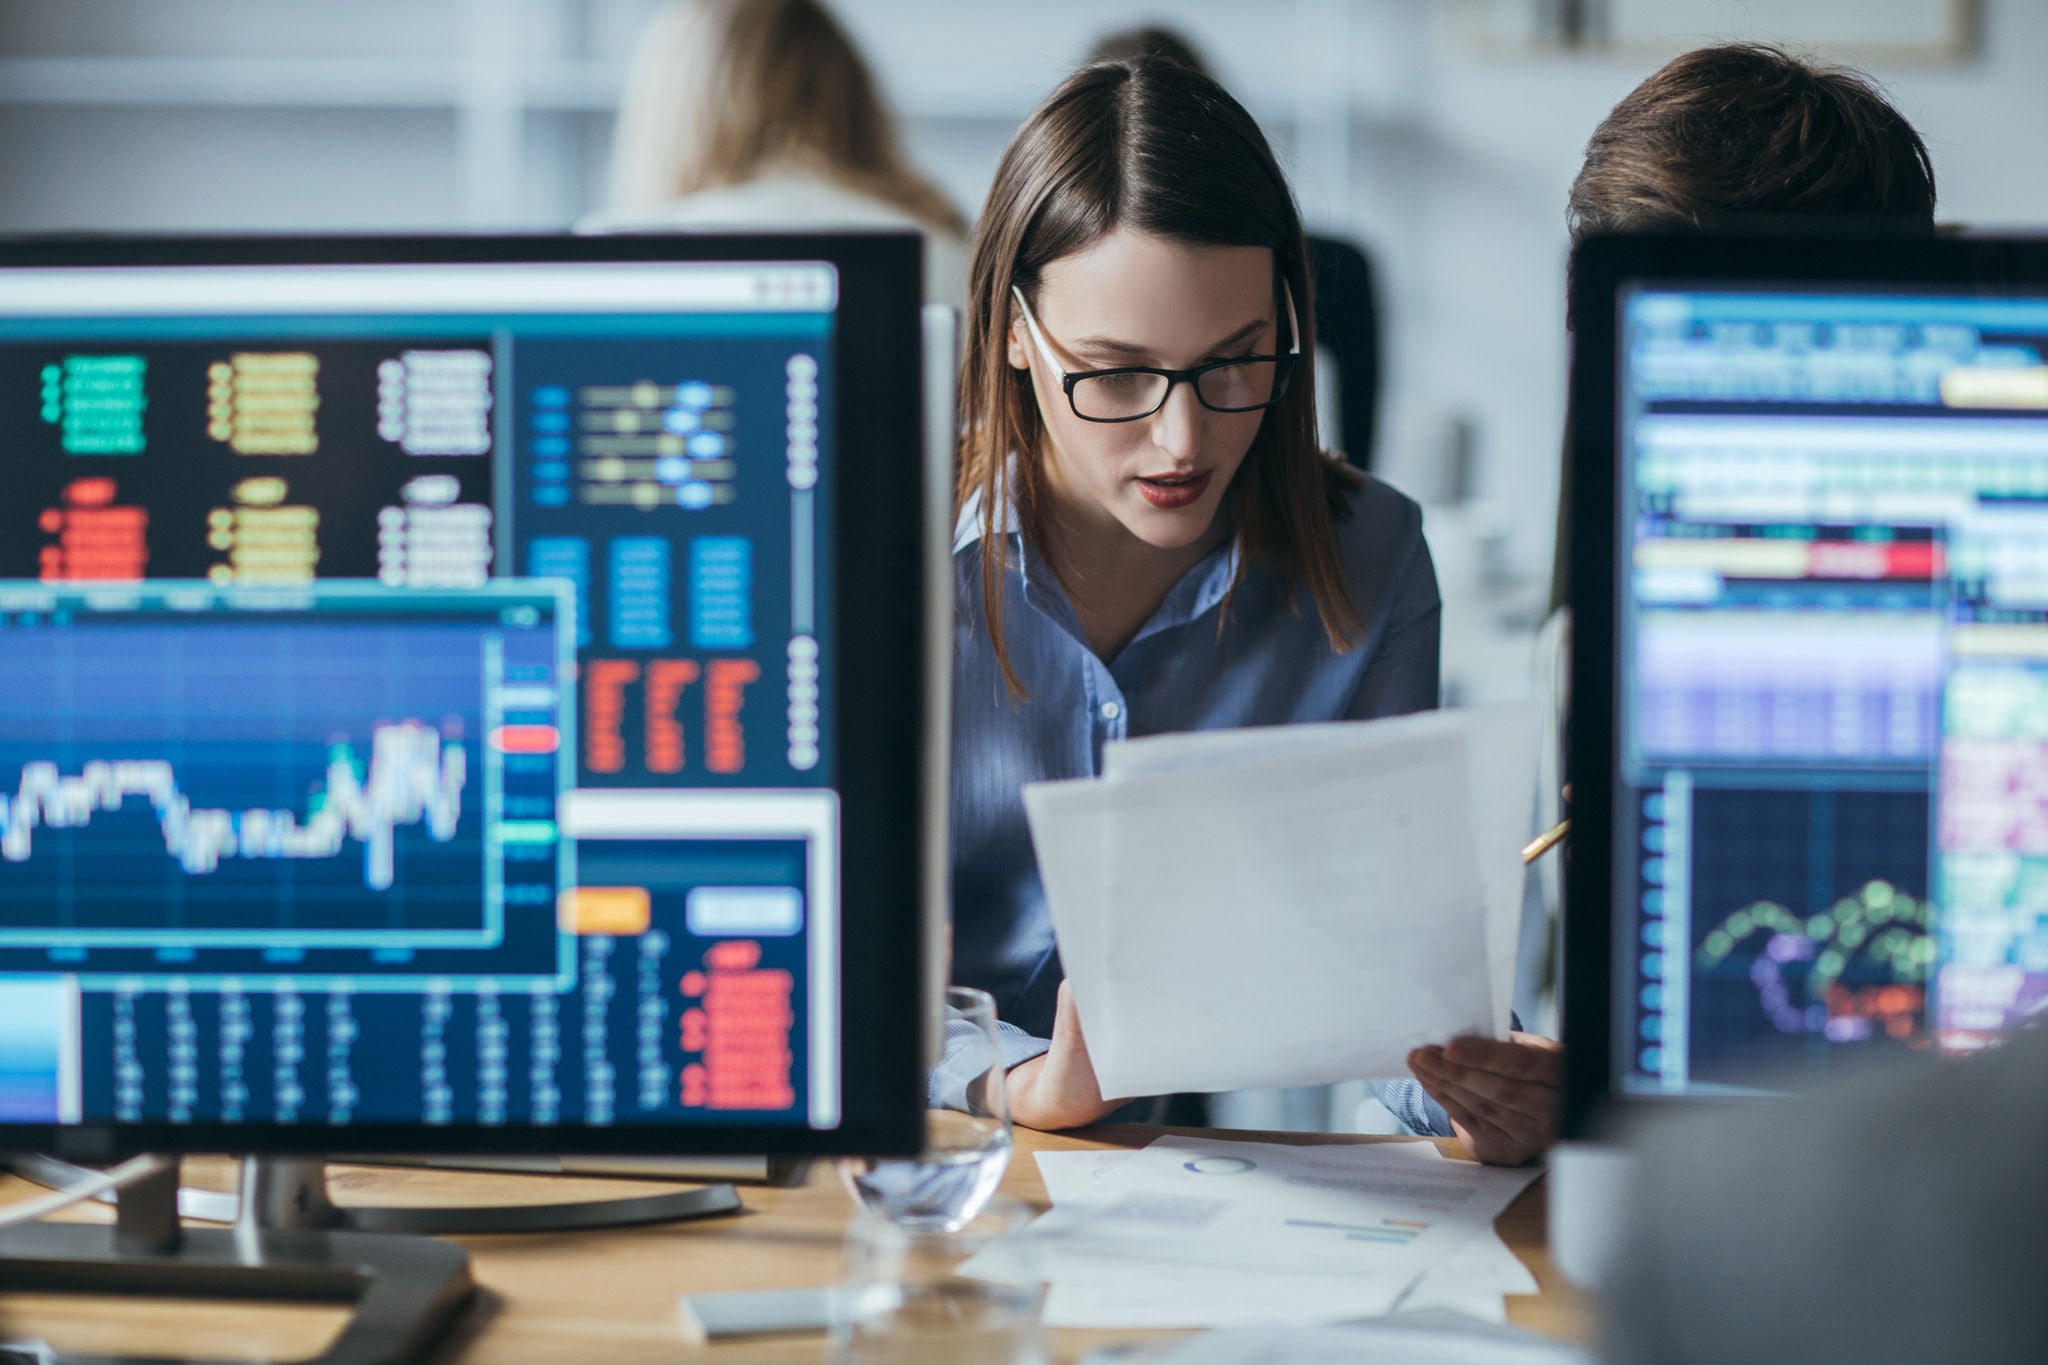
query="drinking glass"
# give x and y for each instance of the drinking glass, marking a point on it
(967, 1142)
(967, 1295)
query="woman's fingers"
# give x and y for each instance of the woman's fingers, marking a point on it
(1520, 1057)
(1485, 1141)
(1531, 1099)
(1483, 1107)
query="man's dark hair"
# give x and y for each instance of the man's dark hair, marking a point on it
(1746, 133)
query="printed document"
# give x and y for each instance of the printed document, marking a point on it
(1093, 1292)
(1291, 905)
(1196, 1232)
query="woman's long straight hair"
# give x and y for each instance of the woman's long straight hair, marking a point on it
(1151, 146)
(721, 92)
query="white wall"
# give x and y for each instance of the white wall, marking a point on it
(1449, 158)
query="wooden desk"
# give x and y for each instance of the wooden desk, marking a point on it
(611, 1296)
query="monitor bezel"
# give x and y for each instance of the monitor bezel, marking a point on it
(1604, 270)
(878, 529)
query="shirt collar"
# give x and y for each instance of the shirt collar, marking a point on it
(1199, 590)
(967, 527)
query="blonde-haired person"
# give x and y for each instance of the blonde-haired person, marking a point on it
(1151, 538)
(762, 115)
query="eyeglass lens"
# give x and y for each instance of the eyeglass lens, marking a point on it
(1227, 388)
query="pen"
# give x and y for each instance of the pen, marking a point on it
(1544, 842)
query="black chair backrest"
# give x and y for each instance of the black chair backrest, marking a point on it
(1348, 325)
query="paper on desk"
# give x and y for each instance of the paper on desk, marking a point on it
(1369, 1209)
(1472, 1278)
(1093, 1293)
(1483, 1265)
(1382, 1344)
(1354, 888)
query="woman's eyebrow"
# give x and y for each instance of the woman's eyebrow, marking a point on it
(1130, 351)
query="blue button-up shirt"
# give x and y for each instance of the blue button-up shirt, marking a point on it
(1189, 667)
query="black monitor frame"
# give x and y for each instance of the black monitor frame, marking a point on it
(1604, 270)
(883, 782)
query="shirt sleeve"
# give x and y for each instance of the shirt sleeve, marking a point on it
(1410, 1103)
(1404, 673)
(1419, 1114)
(963, 1063)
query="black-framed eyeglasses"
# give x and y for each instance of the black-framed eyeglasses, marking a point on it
(1131, 393)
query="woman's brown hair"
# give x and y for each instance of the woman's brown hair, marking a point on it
(1154, 147)
(725, 91)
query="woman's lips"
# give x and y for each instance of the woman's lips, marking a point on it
(1174, 491)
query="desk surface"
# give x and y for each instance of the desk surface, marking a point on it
(556, 1297)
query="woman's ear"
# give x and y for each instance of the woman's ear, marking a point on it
(1019, 343)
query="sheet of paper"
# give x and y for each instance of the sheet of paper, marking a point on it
(1072, 844)
(1367, 1209)
(1333, 894)
(1388, 1344)
(1094, 1290)
(1500, 754)
(1472, 1279)
(1093, 1293)
(1338, 883)
(1500, 744)
(1106, 1295)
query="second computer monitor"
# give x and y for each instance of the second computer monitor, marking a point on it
(1811, 692)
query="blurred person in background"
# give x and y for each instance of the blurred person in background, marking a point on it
(761, 115)
(1736, 136)
(1749, 136)
(1900, 1217)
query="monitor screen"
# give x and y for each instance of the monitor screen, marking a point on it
(449, 686)
(1829, 675)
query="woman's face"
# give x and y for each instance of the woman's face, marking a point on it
(1136, 299)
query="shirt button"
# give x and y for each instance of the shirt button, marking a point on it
(1110, 710)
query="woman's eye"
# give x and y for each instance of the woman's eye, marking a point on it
(1119, 381)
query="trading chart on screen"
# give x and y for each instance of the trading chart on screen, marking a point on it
(1835, 685)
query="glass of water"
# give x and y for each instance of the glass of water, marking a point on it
(967, 1295)
(967, 1136)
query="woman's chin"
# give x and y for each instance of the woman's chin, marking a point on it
(1175, 530)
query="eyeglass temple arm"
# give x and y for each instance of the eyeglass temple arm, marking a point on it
(1031, 325)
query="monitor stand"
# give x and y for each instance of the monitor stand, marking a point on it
(292, 1192)
(406, 1290)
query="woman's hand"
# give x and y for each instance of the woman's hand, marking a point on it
(1058, 1089)
(1502, 1096)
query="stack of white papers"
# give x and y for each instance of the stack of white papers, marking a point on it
(1406, 1339)
(1293, 905)
(1194, 1232)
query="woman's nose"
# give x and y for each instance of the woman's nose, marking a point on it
(1177, 426)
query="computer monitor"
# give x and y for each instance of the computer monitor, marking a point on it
(462, 694)
(1810, 686)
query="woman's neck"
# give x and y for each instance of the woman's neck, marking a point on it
(1115, 580)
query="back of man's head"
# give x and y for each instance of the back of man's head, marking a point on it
(1744, 133)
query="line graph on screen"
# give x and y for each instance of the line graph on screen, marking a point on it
(221, 780)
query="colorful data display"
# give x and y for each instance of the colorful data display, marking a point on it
(359, 814)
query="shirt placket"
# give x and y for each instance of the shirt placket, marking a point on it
(1108, 714)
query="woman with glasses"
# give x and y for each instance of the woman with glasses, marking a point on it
(1150, 538)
